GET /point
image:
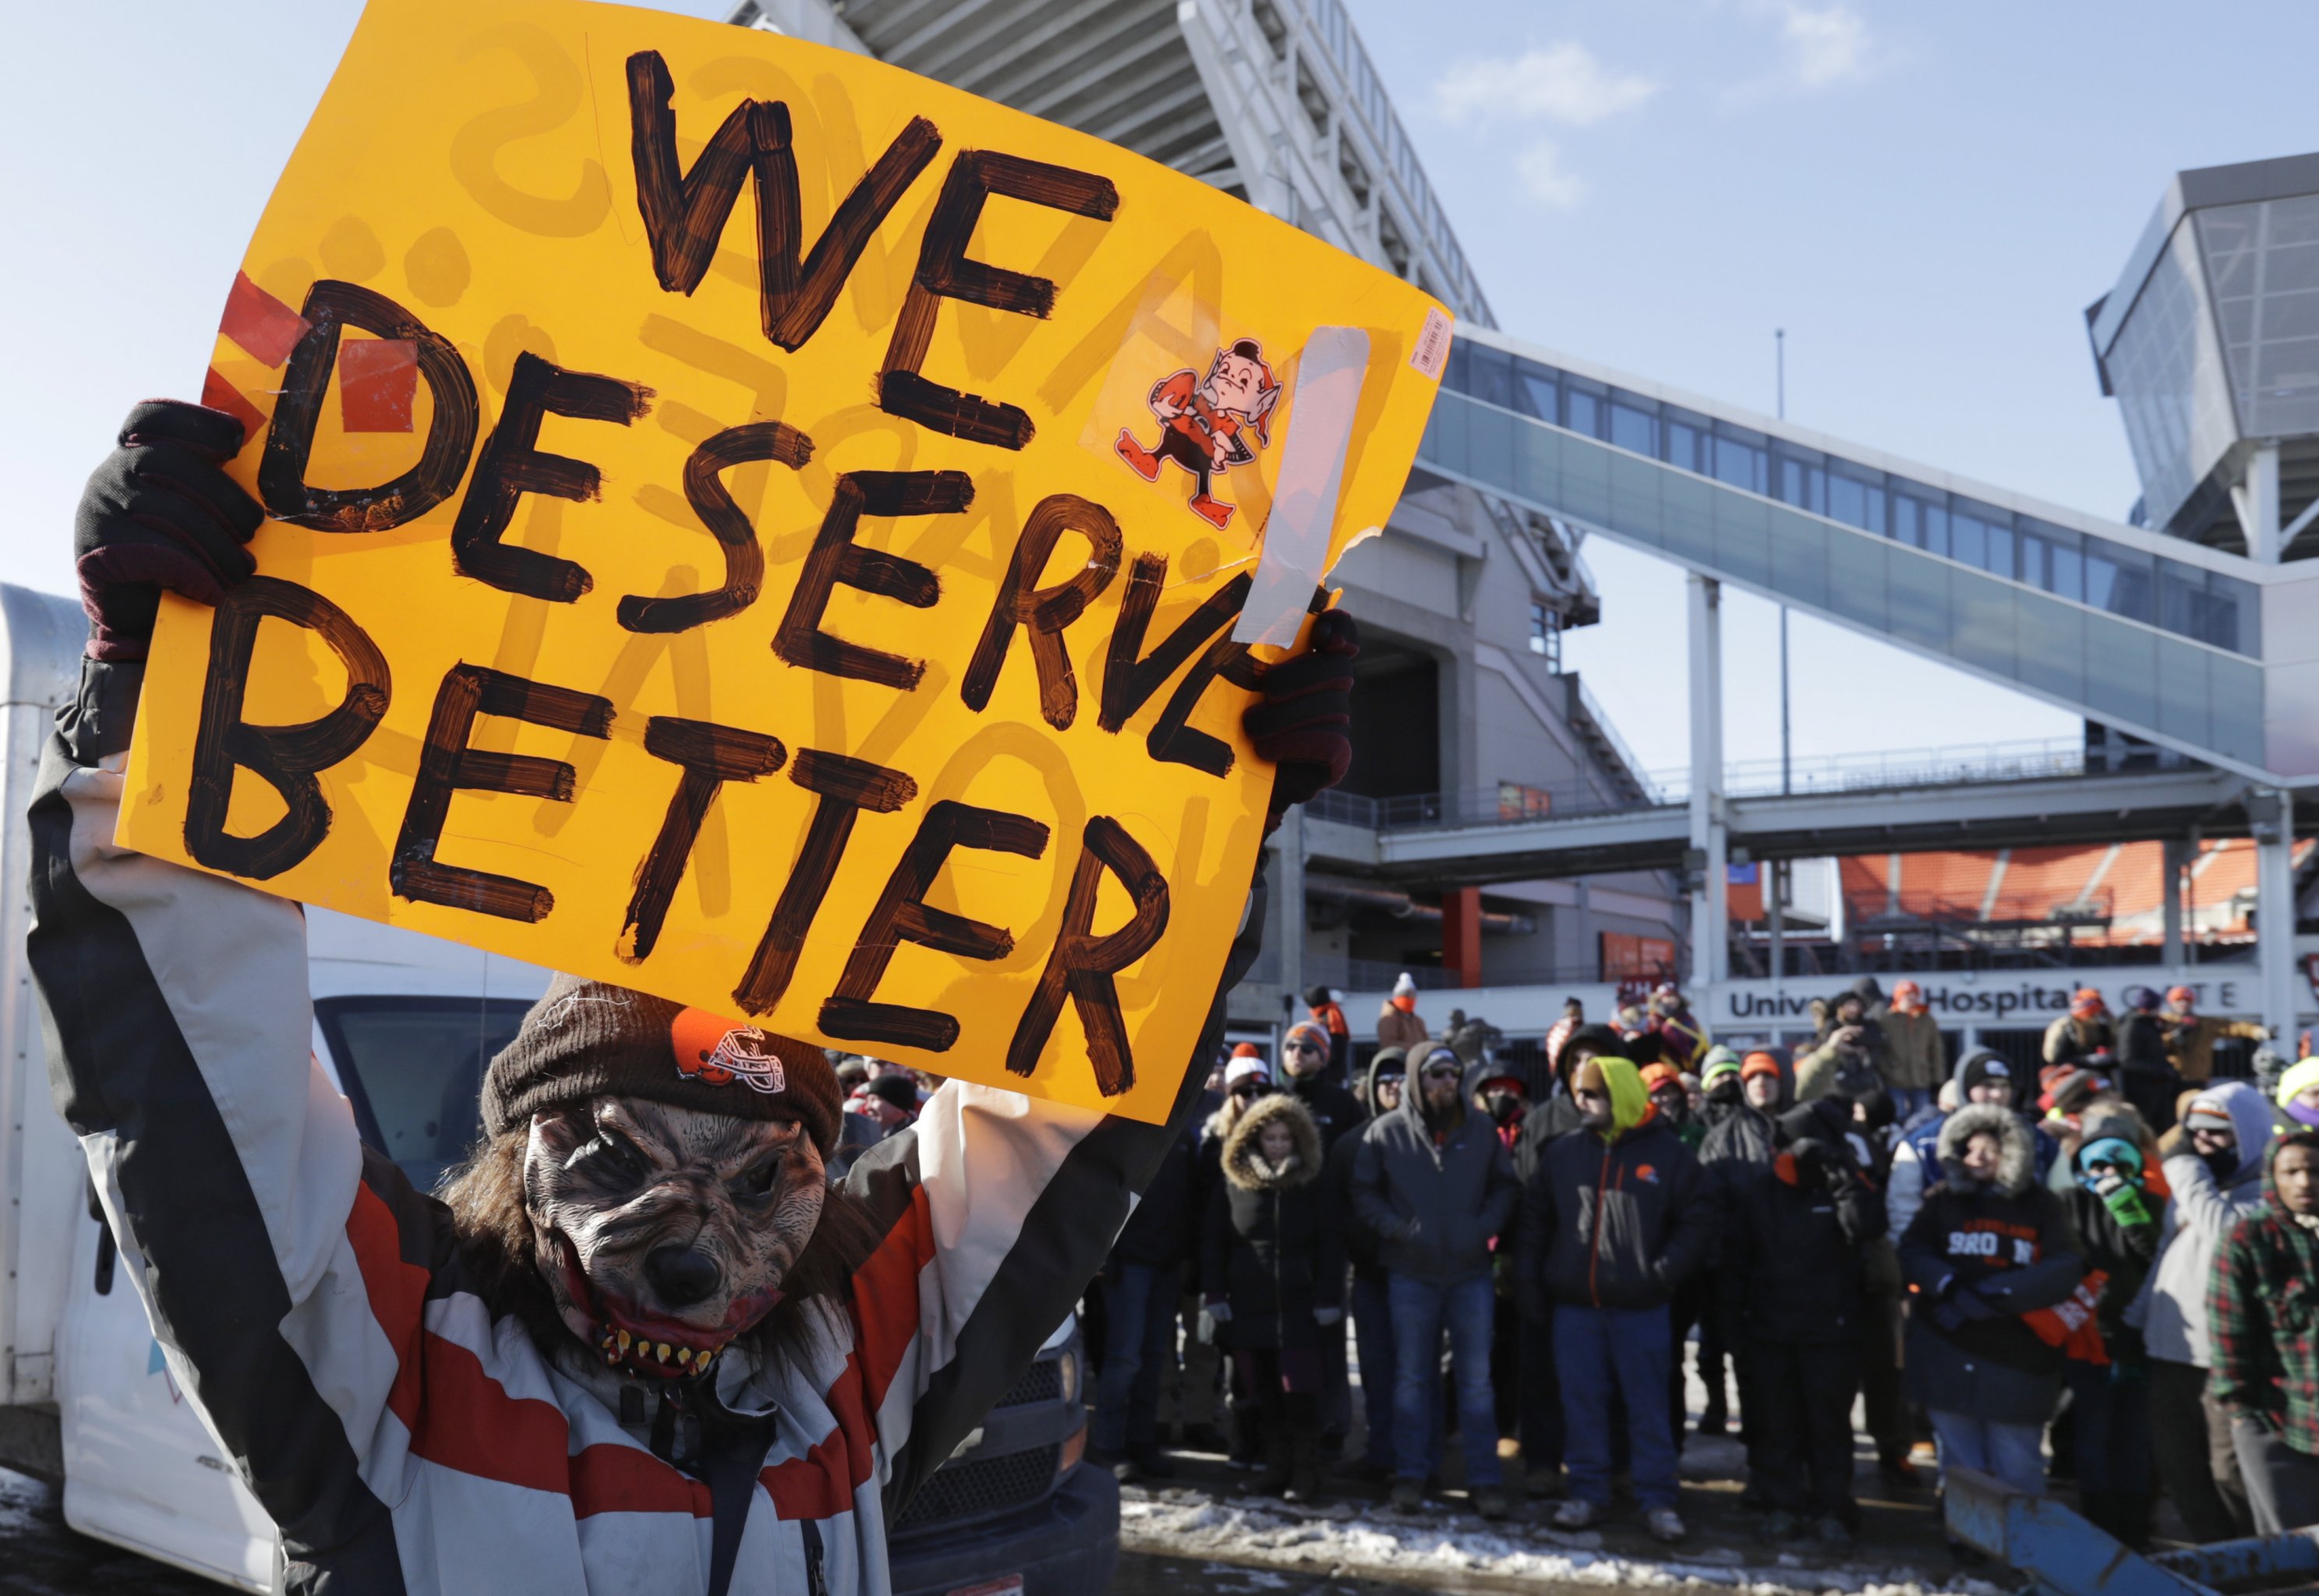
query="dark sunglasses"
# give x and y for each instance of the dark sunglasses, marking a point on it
(1444, 1071)
(1303, 1046)
(1248, 1088)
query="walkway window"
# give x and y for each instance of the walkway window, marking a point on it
(1536, 392)
(1687, 439)
(2051, 559)
(1740, 458)
(1491, 374)
(1921, 520)
(1583, 403)
(1800, 477)
(1982, 534)
(2119, 580)
(1634, 423)
(2237, 612)
(1855, 496)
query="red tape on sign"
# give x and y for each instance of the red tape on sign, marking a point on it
(378, 379)
(221, 395)
(260, 323)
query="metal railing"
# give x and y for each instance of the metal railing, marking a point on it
(1512, 803)
(1588, 705)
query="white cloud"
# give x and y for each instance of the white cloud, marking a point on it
(1561, 83)
(1547, 180)
(1821, 46)
(1825, 45)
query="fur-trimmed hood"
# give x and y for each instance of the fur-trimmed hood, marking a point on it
(1244, 1164)
(2016, 1158)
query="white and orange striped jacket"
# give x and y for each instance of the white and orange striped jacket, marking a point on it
(402, 1436)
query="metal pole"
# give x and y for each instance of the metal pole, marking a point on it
(2274, 891)
(1787, 746)
(1711, 930)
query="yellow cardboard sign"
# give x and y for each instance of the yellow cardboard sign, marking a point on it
(761, 526)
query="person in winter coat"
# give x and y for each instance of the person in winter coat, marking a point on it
(1574, 1015)
(1141, 1280)
(1884, 1400)
(1329, 1015)
(2216, 1180)
(639, 1344)
(1848, 1055)
(1434, 1182)
(2297, 1097)
(2191, 1036)
(1612, 1224)
(2082, 1033)
(1792, 1273)
(1672, 1098)
(1744, 1138)
(1247, 1079)
(1683, 1036)
(1558, 1115)
(2146, 1072)
(1737, 1152)
(1916, 1058)
(1272, 1270)
(1981, 1076)
(1304, 1069)
(1721, 1096)
(1398, 1025)
(1989, 1246)
(2263, 1315)
(1372, 1313)
(2115, 1218)
(1471, 1038)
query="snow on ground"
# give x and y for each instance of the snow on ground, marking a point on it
(1378, 1544)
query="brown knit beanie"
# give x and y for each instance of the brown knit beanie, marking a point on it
(587, 1038)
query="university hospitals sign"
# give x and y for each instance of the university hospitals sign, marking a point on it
(1985, 998)
(1980, 1000)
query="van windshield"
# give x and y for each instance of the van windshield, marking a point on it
(413, 1068)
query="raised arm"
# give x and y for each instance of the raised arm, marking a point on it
(284, 1277)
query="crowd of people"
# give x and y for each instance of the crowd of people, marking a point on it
(2099, 1268)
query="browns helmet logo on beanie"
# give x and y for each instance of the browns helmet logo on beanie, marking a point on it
(713, 1049)
(585, 1038)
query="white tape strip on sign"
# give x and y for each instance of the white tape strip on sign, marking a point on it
(1322, 406)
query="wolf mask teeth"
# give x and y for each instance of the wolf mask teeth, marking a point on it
(612, 1182)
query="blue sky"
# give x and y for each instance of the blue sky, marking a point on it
(1926, 197)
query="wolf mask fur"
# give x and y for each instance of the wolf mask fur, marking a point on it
(651, 1183)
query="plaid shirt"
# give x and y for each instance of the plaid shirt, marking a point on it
(2262, 1319)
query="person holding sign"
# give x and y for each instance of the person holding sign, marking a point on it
(725, 589)
(639, 1345)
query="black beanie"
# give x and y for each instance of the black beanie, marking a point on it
(583, 1038)
(1599, 1040)
(900, 1090)
(1977, 1070)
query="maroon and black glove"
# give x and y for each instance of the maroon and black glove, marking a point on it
(159, 513)
(1304, 724)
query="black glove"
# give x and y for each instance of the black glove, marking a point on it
(1304, 726)
(161, 512)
